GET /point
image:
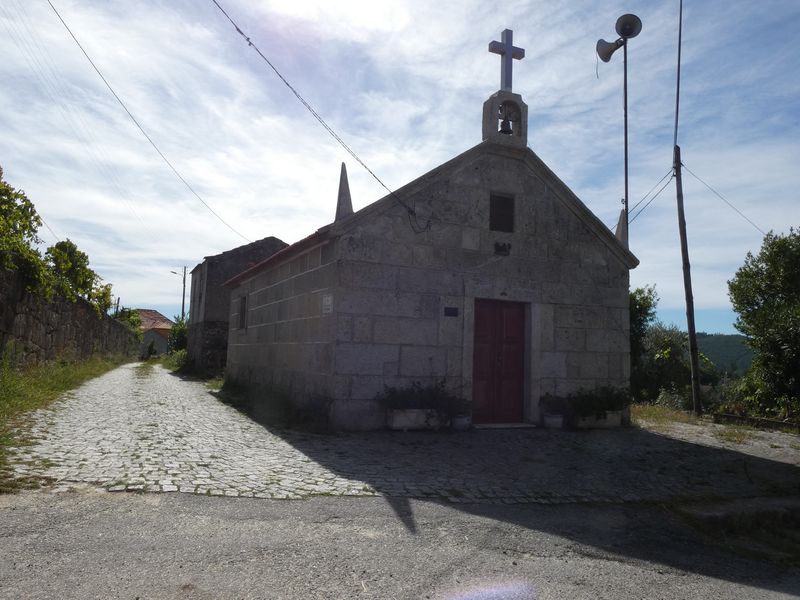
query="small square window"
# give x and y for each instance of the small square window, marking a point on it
(243, 312)
(501, 213)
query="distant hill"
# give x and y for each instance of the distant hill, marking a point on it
(728, 352)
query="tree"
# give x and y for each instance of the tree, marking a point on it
(100, 296)
(19, 223)
(765, 293)
(131, 319)
(64, 268)
(179, 334)
(70, 267)
(643, 303)
(664, 366)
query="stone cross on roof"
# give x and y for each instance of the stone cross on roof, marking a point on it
(507, 51)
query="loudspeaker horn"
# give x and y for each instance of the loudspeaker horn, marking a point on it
(606, 49)
(628, 26)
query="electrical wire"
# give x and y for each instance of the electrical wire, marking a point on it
(641, 210)
(50, 229)
(40, 62)
(411, 212)
(643, 198)
(721, 197)
(141, 129)
(668, 173)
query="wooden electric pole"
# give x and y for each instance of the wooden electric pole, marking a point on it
(687, 285)
(183, 296)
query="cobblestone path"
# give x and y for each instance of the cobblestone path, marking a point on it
(145, 429)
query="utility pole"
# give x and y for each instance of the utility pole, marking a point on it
(687, 285)
(687, 274)
(183, 294)
(183, 297)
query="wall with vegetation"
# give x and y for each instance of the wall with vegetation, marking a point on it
(36, 330)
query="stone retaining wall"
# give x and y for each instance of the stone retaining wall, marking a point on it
(37, 330)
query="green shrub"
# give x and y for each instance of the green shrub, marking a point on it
(179, 334)
(417, 396)
(585, 403)
(747, 397)
(175, 361)
(598, 401)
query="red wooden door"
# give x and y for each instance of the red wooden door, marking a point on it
(498, 363)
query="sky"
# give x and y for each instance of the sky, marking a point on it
(403, 84)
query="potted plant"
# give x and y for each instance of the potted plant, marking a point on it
(554, 409)
(460, 412)
(423, 407)
(600, 408)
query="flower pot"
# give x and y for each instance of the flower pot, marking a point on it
(403, 419)
(461, 422)
(607, 420)
(552, 421)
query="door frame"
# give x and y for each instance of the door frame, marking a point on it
(529, 411)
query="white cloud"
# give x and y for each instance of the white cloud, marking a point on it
(403, 83)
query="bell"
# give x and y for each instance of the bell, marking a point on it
(505, 127)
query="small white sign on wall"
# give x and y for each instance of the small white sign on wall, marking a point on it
(327, 304)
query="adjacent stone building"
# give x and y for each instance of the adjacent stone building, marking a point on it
(209, 302)
(487, 273)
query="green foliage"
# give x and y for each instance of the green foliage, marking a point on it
(100, 296)
(131, 319)
(64, 268)
(417, 396)
(642, 306)
(729, 352)
(664, 371)
(175, 361)
(598, 401)
(587, 402)
(18, 216)
(72, 276)
(178, 334)
(19, 223)
(765, 293)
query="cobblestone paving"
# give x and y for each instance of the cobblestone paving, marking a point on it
(143, 429)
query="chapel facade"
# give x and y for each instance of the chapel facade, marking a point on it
(487, 273)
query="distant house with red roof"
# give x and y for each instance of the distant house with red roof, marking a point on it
(156, 328)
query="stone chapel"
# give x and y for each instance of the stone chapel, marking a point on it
(487, 273)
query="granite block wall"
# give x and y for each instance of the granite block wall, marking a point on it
(36, 330)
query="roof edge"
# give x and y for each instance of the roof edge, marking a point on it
(304, 244)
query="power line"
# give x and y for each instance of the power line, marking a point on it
(50, 229)
(643, 198)
(667, 174)
(721, 197)
(144, 133)
(328, 128)
(641, 210)
(38, 58)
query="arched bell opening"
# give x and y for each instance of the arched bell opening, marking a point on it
(508, 118)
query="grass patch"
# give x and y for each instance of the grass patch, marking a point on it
(145, 368)
(735, 435)
(215, 384)
(25, 389)
(660, 416)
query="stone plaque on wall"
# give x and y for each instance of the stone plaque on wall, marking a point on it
(327, 304)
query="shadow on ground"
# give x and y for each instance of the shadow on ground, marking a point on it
(496, 473)
(499, 474)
